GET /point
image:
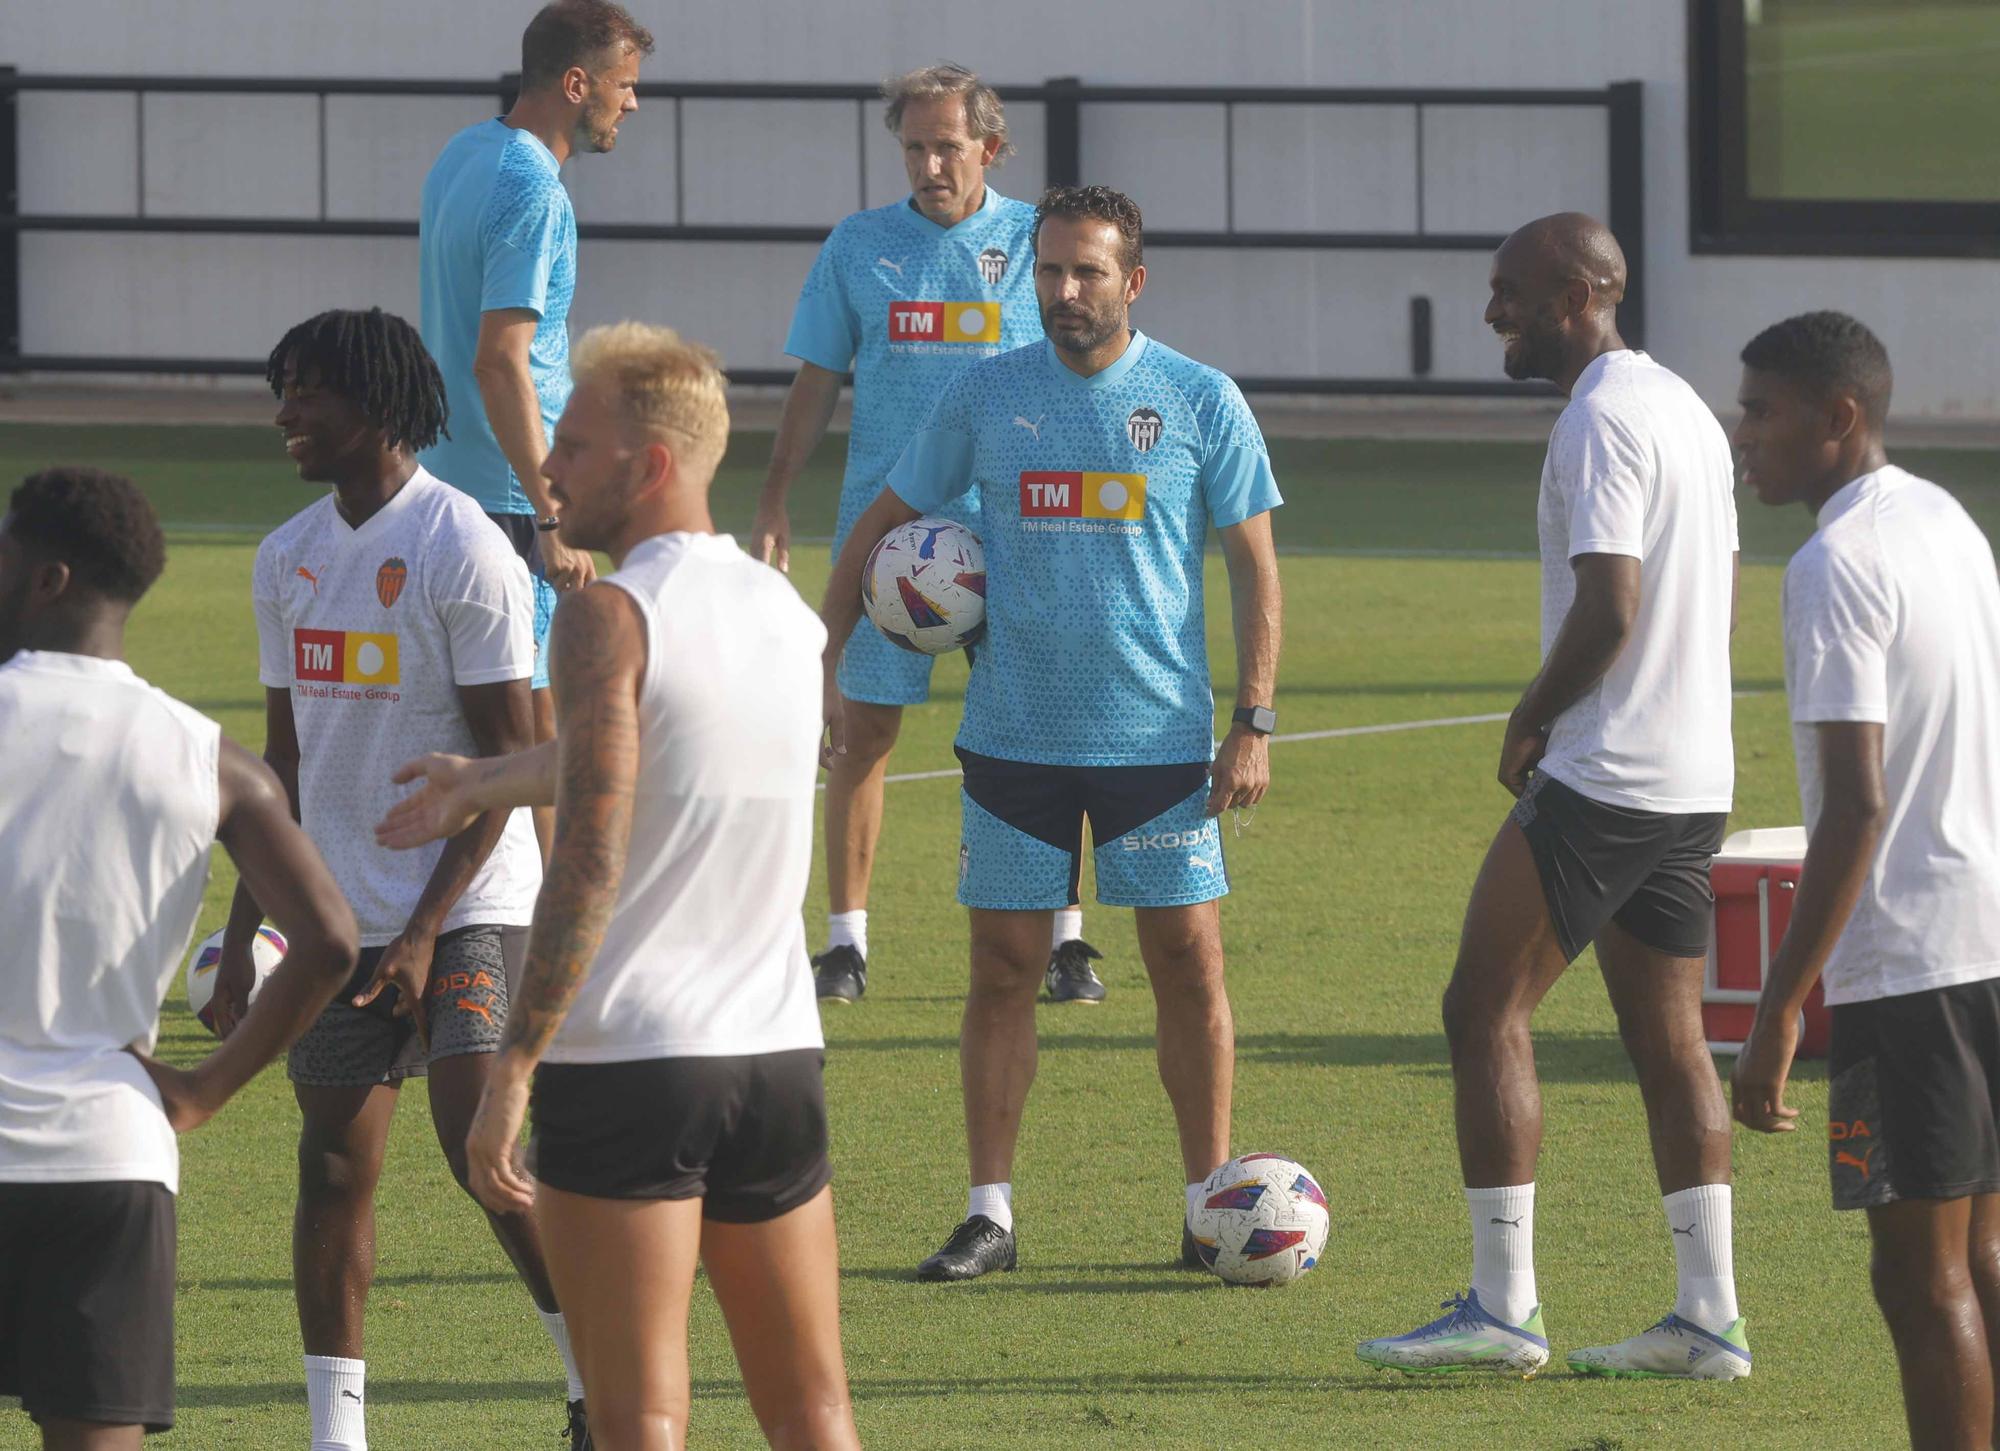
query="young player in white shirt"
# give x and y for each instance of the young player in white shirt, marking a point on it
(1892, 666)
(113, 795)
(391, 616)
(677, 1108)
(1620, 758)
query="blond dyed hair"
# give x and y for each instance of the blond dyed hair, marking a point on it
(984, 115)
(664, 385)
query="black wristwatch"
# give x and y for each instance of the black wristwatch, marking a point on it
(1260, 718)
(548, 525)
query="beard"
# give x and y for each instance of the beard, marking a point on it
(1536, 353)
(1091, 330)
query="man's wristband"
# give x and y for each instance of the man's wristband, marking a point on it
(548, 525)
(1260, 718)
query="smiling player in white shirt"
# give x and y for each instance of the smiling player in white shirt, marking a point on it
(1620, 756)
(391, 616)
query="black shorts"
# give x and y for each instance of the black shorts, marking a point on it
(1915, 1096)
(1021, 841)
(747, 1136)
(87, 1301)
(1645, 870)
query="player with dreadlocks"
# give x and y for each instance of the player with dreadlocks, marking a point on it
(392, 618)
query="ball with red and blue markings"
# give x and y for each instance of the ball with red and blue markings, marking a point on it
(1260, 1220)
(267, 950)
(925, 586)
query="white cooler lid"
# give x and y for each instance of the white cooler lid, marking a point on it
(1780, 844)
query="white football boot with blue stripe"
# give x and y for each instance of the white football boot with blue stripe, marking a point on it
(1673, 1349)
(1467, 1338)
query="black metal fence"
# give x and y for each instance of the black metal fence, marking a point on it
(1062, 99)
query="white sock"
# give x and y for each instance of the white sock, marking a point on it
(558, 1329)
(1193, 1198)
(333, 1394)
(1503, 1250)
(848, 929)
(1069, 927)
(1704, 1259)
(995, 1201)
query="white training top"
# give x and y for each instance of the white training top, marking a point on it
(1637, 465)
(1892, 614)
(108, 809)
(705, 955)
(373, 630)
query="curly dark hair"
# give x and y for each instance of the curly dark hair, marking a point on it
(97, 523)
(1827, 352)
(375, 360)
(570, 32)
(1098, 204)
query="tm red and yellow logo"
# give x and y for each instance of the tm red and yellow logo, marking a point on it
(346, 656)
(944, 322)
(1075, 495)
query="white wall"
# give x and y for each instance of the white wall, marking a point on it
(1260, 312)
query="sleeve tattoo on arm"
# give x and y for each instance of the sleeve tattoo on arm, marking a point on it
(598, 749)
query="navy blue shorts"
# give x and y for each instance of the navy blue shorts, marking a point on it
(1021, 844)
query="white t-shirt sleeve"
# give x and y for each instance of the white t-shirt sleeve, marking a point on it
(1608, 482)
(480, 590)
(1837, 630)
(274, 650)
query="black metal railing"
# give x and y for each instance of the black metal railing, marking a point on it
(1062, 99)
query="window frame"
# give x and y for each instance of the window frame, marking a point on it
(1726, 220)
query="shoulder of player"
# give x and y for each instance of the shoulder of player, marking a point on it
(599, 632)
(279, 544)
(1843, 562)
(447, 517)
(1206, 391)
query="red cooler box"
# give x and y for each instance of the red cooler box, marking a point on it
(1756, 875)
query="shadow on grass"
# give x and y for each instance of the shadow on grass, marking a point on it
(382, 1282)
(1559, 1057)
(1161, 1280)
(895, 1388)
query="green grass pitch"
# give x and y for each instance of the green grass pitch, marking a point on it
(1409, 597)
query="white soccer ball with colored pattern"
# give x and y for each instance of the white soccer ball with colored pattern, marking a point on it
(1260, 1220)
(267, 950)
(925, 586)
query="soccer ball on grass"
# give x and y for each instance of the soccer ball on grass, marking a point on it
(1260, 1220)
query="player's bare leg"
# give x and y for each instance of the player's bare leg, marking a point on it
(455, 1085)
(1983, 1258)
(1925, 1286)
(1195, 1033)
(854, 802)
(341, 1143)
(996, 1037)
(1658, 1001)
(62, 1435)
(624, 1270)
(779, 1287)
(1508, 959)
(545, 730)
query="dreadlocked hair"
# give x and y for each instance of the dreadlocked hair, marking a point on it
(375, 360)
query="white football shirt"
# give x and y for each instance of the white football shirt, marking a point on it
(108, 809)
(373, 630)
(1638, 466)
(705, 955)
(1892, 614)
